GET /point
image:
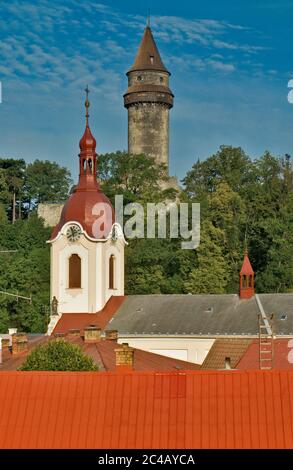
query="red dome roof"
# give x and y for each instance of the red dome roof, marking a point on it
(85, 207)
(88, 205)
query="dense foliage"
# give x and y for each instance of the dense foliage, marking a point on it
(58, 355)
(244, 203)
(23, 187)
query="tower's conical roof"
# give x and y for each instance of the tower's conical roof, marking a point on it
(148, 56)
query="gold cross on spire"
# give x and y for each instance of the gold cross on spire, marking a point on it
(87, 104)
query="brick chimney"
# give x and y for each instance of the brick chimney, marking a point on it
(73, 333)
(92, 334)
(19, 343)
(111, 335)
(5, 350)
(124, 358)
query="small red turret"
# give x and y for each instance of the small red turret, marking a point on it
(246, 282)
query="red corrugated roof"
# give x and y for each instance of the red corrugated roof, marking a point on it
(81, 320)
(250, 359)
(200, 409)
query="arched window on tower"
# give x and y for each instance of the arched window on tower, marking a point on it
(112, 272)
(90, 165)
(74, 272)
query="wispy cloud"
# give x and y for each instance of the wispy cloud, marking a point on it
(50, 50)
(37, 45)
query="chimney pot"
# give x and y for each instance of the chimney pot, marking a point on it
(92, 334)
(111, 335)
(19, 343)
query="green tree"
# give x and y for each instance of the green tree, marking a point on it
(12, 181)
(46, 182)
(211, 274)
(58, 355)
(229, 164)
(137, 177)
(26, 272)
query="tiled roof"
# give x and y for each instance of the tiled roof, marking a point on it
(225, 348)
(143, 360)
(81, 320)
(282, 348)
(148, 56)
(201, 315)
(200, 409)
(103, 354)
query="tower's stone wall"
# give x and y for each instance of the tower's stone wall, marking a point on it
(148, 100)
(148, 130)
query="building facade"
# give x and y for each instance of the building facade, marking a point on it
(87, 245)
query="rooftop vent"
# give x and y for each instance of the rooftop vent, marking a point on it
(283, 316)
(227, 363)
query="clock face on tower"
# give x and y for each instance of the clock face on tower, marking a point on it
(73, 233)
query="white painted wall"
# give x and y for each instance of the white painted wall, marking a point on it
(94, 254)
(187, 349)
(73, 300)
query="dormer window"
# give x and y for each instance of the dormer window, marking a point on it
(152, 59)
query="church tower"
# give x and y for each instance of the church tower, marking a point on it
(148, 100)
(87, 245)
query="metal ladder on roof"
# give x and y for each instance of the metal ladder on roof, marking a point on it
(266, 343)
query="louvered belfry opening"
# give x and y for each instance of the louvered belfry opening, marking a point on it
(74, 272)
(112, 272)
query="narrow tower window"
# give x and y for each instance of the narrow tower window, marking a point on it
(112, 272)
(90, 165)
(74, 272)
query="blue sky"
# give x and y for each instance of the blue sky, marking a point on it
(230, 62)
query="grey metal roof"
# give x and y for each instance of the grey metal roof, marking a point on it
(206, 315)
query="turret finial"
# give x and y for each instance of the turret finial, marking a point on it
(87, 104)
(149, 18)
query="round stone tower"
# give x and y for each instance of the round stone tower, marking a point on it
(148, 100)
